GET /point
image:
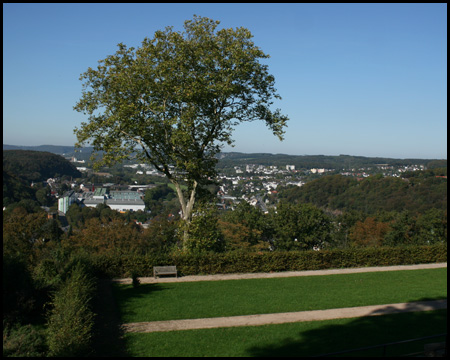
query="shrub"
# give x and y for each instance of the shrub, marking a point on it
(71, 318)
(251, 262)
(135, 279)
(18, 290)
(24, 341)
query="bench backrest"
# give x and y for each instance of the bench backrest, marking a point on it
(162, 269)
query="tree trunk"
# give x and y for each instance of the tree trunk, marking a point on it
(187, 207)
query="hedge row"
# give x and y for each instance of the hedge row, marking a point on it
(241, 262)
(71, 318)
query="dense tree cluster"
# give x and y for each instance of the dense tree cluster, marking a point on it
(417, 192)
(37, 165)
(15, 189)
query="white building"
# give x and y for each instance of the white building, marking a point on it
(66, 200)
(116, 200)
(126, 205)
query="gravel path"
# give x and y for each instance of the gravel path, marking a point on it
(152, 280)
(279, 318)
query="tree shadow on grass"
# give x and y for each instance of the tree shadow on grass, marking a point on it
(108, 339)
(129, 293)
(323, 337)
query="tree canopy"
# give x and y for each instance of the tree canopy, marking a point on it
(37, 165)
(419, 192)
(175, 101)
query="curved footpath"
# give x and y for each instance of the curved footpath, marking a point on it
(279, 318)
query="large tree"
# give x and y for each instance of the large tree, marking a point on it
(175, 101)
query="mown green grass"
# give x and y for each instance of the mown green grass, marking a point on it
(295, 339)
(172, 301)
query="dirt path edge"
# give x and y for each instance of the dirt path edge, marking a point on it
(281, 318)
(189, 278)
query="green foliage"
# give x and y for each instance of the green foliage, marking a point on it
(161, 236)
(15, 189)
(245, 227)
(419, 193)
(24, 341)
(18, 290)
(135, 279)
(29, 205)
(114, 236)
(37, 165)
(23, 233)
(55, 266)
(431, 227)
(43, 196)
(156, 198)
(321, 192)
(301, 226)
(175, 101)
(187, 109)
(252, 262)
(204, 232)
(71, 319)
(78, 216)
(52, 231)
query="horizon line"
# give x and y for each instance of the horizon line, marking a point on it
(266, 153)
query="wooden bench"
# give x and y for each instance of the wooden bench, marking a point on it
(164, 270)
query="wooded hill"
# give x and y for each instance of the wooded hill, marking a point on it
(67, 151)
(307, 162)
(231, 159)
(417, 192)
(37, 165)
(15, 189)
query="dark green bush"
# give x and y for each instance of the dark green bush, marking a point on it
(71, 319)
(246, 262)
(135, 279)
(18, 290)
(240, 262)
(24, 341)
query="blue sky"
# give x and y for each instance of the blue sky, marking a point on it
(356, 79)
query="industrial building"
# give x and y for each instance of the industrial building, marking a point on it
(116, 200)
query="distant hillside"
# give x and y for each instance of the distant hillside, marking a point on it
(230, 159)
(37, 165)
(318, 161)
(55, 149)
(66, 151)
(420, 192)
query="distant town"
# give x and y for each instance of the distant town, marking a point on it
(256, 184)
(254, 178)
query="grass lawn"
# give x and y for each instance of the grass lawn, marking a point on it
(190, 300)
(296, 339)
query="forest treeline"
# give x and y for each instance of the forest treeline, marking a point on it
(307, 162)
(37, 165)
(21, 168)
(415, 192)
